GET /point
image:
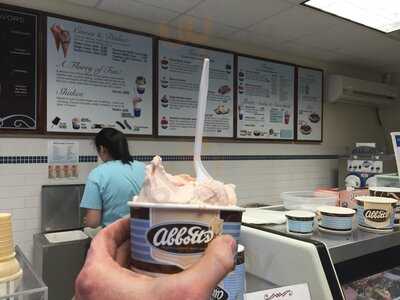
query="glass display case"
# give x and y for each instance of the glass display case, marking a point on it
(29, 287)
(356, 266)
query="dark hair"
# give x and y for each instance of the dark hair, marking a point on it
(116, 144)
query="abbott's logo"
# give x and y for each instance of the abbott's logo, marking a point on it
(376, 215)
(219, 294)
(278, 295)
(180, 238)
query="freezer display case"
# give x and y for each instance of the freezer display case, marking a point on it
(356, 266)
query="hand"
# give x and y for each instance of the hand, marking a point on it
(105, 275)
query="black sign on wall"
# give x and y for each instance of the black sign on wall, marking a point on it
(18, 70)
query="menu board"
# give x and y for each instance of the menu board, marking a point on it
(18, 71)
(98, 77)
(309, 125)
(179, 75)
(265, 99)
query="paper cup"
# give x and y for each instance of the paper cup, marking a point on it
(375, 213)
(388, 192)
(233, 286)
(335, 219)
(300, 222)
(169, 238)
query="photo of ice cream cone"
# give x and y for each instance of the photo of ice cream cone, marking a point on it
(65, 38)
(56, 31)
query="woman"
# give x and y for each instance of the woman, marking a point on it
(112, 184)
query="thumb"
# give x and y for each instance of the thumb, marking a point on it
(216, 263)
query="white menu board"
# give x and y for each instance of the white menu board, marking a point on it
(265, 99)
(309, 125)
(98, 77)
(179, 75)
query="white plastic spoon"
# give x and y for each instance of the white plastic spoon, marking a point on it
(201, 172)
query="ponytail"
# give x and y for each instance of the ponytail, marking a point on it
(116, 144)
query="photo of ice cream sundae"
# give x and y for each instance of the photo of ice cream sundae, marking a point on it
(164, 82)
(164, 101)
(136, 106)
(305, 128)
(241, 76)
(286, 117)
(76, 123)
(224, 90)
(241, 88)
(164, 123)
(257, 133)
(221, 110)
(140, 85)
(314, 117)
(228, 68)
(271, 131)
(164, 63)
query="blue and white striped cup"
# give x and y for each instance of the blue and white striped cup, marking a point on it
(335, 219)
(300, 222)
(168, 238)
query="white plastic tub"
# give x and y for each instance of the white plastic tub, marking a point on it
(307, 200)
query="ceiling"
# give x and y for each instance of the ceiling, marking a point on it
(279, 25)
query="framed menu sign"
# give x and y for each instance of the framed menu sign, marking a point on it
(18, 71)
(309, 108)
(98, 77)
(179, 75)
(265, 99)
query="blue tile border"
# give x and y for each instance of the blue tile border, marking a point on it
(236, 157)
(88, 158)
(146, 158)
(38, 159)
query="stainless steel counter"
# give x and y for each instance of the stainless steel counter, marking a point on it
(345, 247)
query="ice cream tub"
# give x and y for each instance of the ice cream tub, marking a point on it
(234, 284)
(167, 238)
(388, 192)
(375, 213)
(335, 219)
(300, 222)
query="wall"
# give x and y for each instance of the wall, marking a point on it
(258, 179)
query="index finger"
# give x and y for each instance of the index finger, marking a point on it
(112, 237)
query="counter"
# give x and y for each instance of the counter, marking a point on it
(326, 262)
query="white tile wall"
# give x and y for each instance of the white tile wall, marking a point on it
(258, 181)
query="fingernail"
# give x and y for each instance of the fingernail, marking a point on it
(233, 247)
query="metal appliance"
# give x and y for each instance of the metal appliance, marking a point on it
(359, 170)
(60, 250)
(331, 264)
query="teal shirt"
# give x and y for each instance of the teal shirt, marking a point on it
(110, 186)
